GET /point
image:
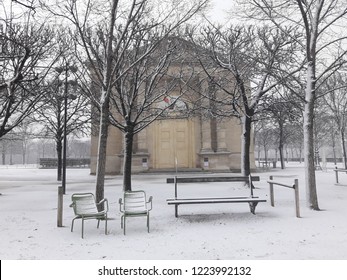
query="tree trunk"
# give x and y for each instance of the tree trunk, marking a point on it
(128, 152)
(105, 110)
(59, 157)
(3, 157)
(310, 176)
(11, 153)
(333, 146)
(246, 143)
(266, 154)
(343, 145)
(23, 158)
(102, 146)
(280, 147)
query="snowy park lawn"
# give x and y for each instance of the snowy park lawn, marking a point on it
(28, 207)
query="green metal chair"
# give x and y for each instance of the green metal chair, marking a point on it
(85, 208)
(134, 204)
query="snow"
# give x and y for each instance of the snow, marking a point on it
(28, 207)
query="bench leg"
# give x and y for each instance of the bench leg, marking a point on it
(82, 227)
(176, 210)
(252, 206)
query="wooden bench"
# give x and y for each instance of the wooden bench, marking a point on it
(48, 162)
(70, 162)
(251, 200)
(265, 164)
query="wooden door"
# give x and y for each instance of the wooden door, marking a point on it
(173, 143)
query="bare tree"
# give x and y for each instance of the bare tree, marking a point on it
(322, 23)
(7, 143)
(265, 137)
(251, 61)
(80, 148)
(138, 94)
(282, 109)
(295, 139)
(133, 31)
(25, 59)
(25, 133)
(52, 112)
(18, 142)
(322, 133)
(336, 102)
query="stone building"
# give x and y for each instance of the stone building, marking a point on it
(178, 141)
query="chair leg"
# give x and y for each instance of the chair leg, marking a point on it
(148, 222)
(82, 227)
(106, 224)
(72, 224)
(121, 221)
(98, 223)
(124, 223)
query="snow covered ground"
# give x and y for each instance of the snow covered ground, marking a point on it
(28, 209)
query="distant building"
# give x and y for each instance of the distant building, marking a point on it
(177, 141)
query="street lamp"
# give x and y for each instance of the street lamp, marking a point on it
(66, 96)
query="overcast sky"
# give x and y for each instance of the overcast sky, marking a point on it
(219, 10)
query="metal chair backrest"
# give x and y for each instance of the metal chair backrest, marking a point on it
(84, 204)
(135, 202)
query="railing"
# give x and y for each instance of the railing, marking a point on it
(337, 170)
(294, 186)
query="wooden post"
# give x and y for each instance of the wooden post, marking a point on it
(272, 197)
(336, 175)
(297, 205)
(60, 206)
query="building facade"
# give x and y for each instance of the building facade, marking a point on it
(177, 140)
(183, 144)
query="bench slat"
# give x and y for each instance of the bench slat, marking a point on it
(211, 179)
(214, 200)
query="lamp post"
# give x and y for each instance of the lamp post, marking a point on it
(66, 96)
(65, 137)
(62, 188)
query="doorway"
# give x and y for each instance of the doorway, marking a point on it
(173, 144)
